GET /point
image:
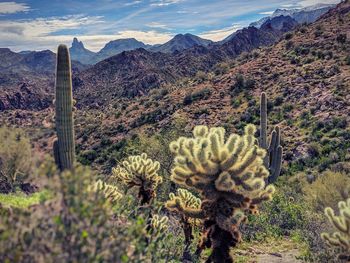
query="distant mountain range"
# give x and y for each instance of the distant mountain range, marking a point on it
(178, 43)
(302, 15)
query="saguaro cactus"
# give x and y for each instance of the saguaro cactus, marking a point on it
(230, 177)
(340, 238)
(64, 146)
(273, 158)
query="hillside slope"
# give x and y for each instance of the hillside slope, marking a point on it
(136, 72)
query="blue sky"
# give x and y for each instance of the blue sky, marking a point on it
(43, 24)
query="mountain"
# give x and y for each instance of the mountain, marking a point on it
(79, 53)
(267, 34)
(181, 42)
(301, 15)
(116, 47)
(136, 72)
(26, 79)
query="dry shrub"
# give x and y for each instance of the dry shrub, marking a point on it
(328, 189)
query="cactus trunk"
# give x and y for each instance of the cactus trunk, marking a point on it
(64, 147)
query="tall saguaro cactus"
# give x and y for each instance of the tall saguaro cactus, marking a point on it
(273, 158)
(64, 147)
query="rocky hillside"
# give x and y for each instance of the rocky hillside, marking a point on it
(136, 72)
(27, 79)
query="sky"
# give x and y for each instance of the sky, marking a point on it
(43, 24)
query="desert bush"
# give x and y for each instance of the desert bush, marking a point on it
(15, 159)
(341, 38)
(197, 95)
(277, 218)
(79, 225)
(327, 190)
(221, 68)
(241, 83)
(288, 36)
(347, 60)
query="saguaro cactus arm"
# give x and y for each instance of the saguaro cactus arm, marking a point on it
(64, 148)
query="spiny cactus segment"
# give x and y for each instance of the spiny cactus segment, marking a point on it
(159, 224)
(109, 191)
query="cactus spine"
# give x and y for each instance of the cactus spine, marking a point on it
(64, 147)
(340, 238)
(273, 158)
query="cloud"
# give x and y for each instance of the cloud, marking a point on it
(133, 3)
(165, 2)
(157, 25)
(41, 32)
(13, 7)
(268, 13)
(306, 3)
(220, 34)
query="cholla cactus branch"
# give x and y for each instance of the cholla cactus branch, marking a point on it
(230, 176)
(159, 224)
(141, 172)
(110, 192)
(340, 238)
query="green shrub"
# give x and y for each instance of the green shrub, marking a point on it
(15, 159)
(197, 95)
(328, 189)
(79, 225)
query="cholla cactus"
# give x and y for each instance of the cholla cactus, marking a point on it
(141, 172)
(110, 192)
(187, 201)
(230, 177)
(340, 238)
(185, 197)
(159, 224)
